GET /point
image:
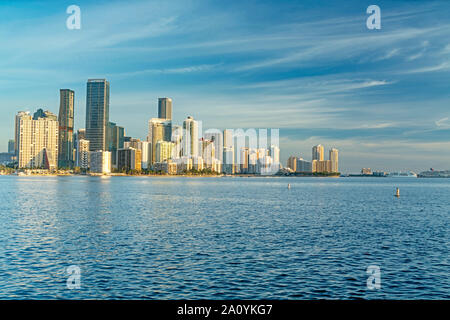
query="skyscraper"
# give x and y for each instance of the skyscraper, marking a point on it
(36, 141)
(228, 138)
(317, 152)
(165, 108)
(191, 141)
(40, 113)
(97, 113)
(292, 163)
(228, 160)
(115, 140)
(82, 157)
(216, 136)
(208, 152)
(334, 158)
(11, 146)
(158, 130)
(65, 119)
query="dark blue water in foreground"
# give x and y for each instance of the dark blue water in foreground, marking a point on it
(223, 238)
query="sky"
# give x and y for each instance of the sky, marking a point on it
(310, 68)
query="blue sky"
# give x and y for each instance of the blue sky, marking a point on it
(310, 68)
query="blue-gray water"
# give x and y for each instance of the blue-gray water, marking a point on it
(223, 238)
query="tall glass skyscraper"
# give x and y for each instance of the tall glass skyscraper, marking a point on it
(65, 119)
(97, 114)
(165, 108)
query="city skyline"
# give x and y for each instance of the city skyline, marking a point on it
(383, 103)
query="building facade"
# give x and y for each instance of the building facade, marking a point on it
(158, 130)
(165, 108)
(334, 158)
(318, 153)
(82, 155)
(100, 162)
(97, 113)
(129, 159)
(36, 141)
(65, 119)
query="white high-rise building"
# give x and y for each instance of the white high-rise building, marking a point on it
(82, 157)
(144, 146)
(317, 153)
(275, 153)
(334, 158)
(216, 137)
(177, 139)
(228, 138)
(191, 137)
(100, 162)
(36, 141)
(208, 152)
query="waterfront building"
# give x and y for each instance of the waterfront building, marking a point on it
(66, 122)
(129, 159)
(275, 155)
(82, 155)
(216, 165)
(292, 163)
(303, 166)
(334, 158)
(228, 160)
(165, 108)
(97, 113)
(145, 147)
(243, 160)
(168, 167)
(197, 163)
(36, 141)
(164, 150)
(100, 162)
(183, 164)
(115, 141)
(321, 166)
(6, 158)
(208, 152)
(267, 166)
(177, 139)
(158, 130)
(252, 161)
(228, 138)
(190, 146)
(318, 153)
(216, 137)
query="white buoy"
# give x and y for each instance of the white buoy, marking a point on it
(289, 185)
(397, 194)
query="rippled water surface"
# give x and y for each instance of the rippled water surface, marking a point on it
(223, 238)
